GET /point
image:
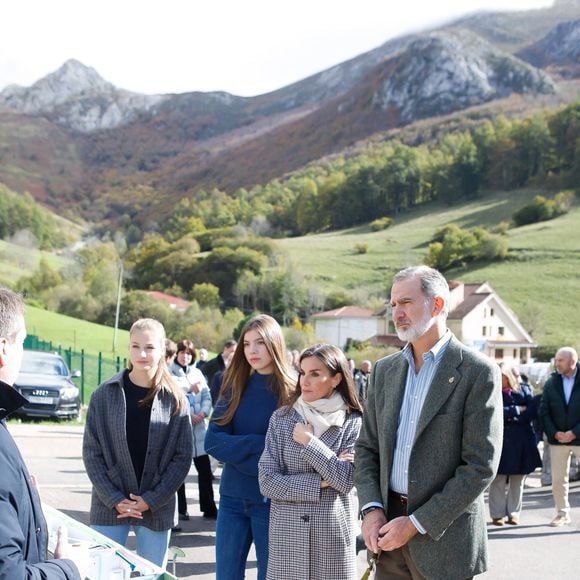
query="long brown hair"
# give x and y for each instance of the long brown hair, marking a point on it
(162, 380)
(334, 360)
(238, 372)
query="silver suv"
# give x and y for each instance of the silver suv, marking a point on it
(46, 381)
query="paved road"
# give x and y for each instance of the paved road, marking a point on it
(532, 550)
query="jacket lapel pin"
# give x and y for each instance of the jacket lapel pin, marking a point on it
(451, 379)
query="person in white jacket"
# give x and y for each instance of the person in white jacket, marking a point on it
(193, 383)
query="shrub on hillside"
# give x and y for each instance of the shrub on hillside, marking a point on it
(501, 228)
(337, 299)
(542, 209)
(361, 248)
(460, 246)
(381, 224)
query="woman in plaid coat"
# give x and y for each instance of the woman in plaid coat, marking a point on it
(307, 471)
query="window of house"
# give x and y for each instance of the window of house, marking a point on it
(491, 311)
(501, 330)
(483, 331)
(498, 353)
(515, 355)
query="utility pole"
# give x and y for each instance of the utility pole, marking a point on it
(119, 288)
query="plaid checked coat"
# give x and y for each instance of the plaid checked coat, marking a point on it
(312, 530)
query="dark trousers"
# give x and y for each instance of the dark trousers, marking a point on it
(205, 479)
(398, 563)
(181, 500)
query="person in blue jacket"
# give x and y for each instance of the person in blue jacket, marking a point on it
(519, 454)
(23, 529)
(257, 382)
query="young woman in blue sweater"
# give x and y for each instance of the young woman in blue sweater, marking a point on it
(258, 381)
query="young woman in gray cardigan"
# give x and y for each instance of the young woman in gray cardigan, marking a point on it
(137, 447)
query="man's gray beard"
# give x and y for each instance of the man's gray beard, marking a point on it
(414, 332)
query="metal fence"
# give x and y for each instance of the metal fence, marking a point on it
(94, 369)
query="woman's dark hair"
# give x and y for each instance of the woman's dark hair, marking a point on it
(187, 346)
(334, 360)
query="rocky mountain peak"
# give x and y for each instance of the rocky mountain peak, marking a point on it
(77, 97)
(77, 77)
(72, 79)
(445, 71)
(561, 46)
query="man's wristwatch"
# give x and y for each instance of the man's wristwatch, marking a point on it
(365, 511)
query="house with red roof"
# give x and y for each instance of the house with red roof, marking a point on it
(174, 302)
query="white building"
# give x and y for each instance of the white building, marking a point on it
(477, 316)
(337, 326)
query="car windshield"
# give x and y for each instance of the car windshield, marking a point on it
(43, 366)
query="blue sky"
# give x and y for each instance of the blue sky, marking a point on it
(244, 47)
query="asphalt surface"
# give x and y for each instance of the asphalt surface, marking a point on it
(532, 550)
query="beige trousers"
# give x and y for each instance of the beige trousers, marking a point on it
(560, 458)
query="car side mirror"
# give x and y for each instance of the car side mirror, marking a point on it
(76, 374)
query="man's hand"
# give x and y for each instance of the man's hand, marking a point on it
(565, 436)
(396, 533)
(78, 553)
(370, 527)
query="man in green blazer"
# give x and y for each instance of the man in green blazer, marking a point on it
(430, 442)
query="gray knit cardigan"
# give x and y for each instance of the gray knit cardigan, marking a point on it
(108, 461)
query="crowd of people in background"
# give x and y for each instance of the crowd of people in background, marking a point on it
(432, 427)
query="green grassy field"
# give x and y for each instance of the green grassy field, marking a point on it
(74, 333)
(542, 284)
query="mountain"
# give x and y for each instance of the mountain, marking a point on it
(77, 97)
(78, 143)
(559, 49)
(447, 71)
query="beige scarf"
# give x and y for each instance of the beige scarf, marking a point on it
(323, 413)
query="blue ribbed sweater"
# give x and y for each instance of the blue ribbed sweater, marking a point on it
(240, 443)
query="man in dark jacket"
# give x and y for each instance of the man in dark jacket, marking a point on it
(216, 365)
(23, 530)
(560, 416)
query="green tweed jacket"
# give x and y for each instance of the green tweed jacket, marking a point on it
(454, 458)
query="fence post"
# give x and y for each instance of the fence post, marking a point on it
(83, 376)
(99, 370)
(118, 363)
